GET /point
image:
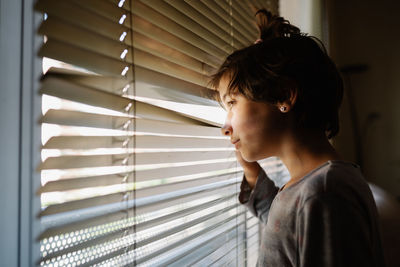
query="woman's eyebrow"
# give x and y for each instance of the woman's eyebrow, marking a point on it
(228, 94)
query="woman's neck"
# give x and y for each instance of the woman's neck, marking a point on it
(303, 152)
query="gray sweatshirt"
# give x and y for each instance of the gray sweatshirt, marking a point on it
(327, 218)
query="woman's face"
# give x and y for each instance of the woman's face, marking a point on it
(255, 128)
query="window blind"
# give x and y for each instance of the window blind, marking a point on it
(135, 171)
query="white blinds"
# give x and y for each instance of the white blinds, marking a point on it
(135, 171)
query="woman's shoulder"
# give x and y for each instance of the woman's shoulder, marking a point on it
(335, 177)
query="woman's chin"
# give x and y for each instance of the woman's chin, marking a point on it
(249, 158)
(252, 157)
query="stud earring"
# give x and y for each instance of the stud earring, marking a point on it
(283, 108)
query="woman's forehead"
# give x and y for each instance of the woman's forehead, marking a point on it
(223, 83)
(224, 86)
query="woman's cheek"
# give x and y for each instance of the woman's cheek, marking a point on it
(243, 125)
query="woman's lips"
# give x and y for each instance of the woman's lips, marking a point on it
(236, 143)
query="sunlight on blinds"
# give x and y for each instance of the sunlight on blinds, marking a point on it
(134, 169)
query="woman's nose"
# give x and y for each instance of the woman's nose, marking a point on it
(226, 130)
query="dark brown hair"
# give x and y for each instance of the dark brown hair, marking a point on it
(285, 61)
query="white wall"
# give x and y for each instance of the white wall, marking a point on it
(305, 14)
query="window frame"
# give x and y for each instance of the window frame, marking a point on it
(20, 135)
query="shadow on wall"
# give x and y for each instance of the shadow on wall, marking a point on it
(389, 215)
(364, 32)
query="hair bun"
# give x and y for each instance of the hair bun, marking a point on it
(272, 26)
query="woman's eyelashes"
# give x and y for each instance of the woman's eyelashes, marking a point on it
(230, 103)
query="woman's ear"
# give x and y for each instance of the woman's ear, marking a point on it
(288, 104)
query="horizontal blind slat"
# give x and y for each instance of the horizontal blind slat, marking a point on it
(172, 128)
(247, 7)
(243, 16)
(84, 58)
(146, 204)
(170, 180)
(224, 14)
(207, 175)
(163, 66)
(184, 226)
(205, 23)
(158, 49)
(186, 22)
(148, 83)
(106, 218)
(129, 257)
(163, 250)
(222, 243)
(78, 45)
(239, 21)
(106, 9)
(188, 211)
(224, 248)
(210, 14)
(57, 29)
(149, 14)
(77, 118)
(118, 197)
(109, 27)
(74, 92)
(116, 234)
(73, 14)
(170, 174)
(169, 39)
(113, 179)
(92, 142)
(203, 245)
(119, 122)
(192, 196)
(66, 162)
(114, 85)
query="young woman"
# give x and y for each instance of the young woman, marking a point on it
(282, 96)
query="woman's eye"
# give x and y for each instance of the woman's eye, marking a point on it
(230, 103)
